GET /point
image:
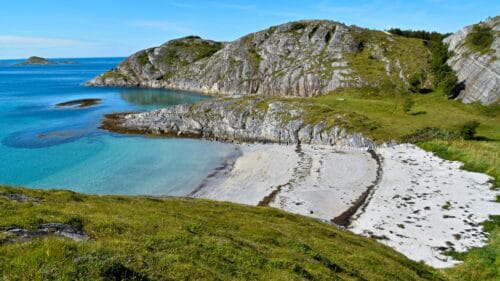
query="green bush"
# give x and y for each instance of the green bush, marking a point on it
(480, 38)
(443, 74)
(298, 26)
(415, 81)
(448, 84)
(408, 104)
(428, 134)
(420, 34)
(143, 58)
(468, 130)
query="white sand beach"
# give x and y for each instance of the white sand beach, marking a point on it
(421, 205)
(425, 205)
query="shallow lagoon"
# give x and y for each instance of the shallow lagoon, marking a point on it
(44, 146)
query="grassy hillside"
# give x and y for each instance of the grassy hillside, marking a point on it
(165, 239)
(381, 115)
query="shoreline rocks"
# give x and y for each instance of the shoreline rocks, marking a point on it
(80, 103)
(235, 120)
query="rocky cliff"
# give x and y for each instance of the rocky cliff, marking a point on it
(240, 120)
(476, 53)
(303, 58)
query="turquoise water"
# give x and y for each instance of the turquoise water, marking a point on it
(43, 146)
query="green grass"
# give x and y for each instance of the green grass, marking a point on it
(381, 116)
(113, 74)
(186, 239)
(191, 46)
(409, 54)
(478, 156)
(480, 263)
(480, 39)
(142, 58)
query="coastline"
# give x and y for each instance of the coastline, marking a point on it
(341, 179)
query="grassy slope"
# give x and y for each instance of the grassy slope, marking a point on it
(381, 117)
(189, 239)
(408, 54)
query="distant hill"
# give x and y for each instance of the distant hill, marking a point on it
(43, 61)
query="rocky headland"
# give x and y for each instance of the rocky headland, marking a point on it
(303, 58)
(308, 58)
(235, 120)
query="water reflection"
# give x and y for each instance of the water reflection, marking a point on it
(160, 98)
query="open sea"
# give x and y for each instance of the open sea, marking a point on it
(44, 146)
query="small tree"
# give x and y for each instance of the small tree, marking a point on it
(448, 84)
(408, 104)
(468, 130)
(414, 81)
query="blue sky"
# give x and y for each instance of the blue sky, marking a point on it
(96, 28)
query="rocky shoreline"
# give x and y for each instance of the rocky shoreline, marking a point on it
(235, 120)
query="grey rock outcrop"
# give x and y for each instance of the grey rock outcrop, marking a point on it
(18, 234)
(237, 120)
(479, 72)
(303, 58)
(20, 197)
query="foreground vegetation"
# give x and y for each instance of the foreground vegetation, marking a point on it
(139, 238)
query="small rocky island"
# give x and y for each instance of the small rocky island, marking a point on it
(34, 60)
(79, 103)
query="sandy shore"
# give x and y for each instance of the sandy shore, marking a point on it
(425, 205)
(309, 180)
(419, 204)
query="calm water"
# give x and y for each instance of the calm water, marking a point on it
(47, 147)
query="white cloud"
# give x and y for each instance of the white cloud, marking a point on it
(162, 25)
(13, 41)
